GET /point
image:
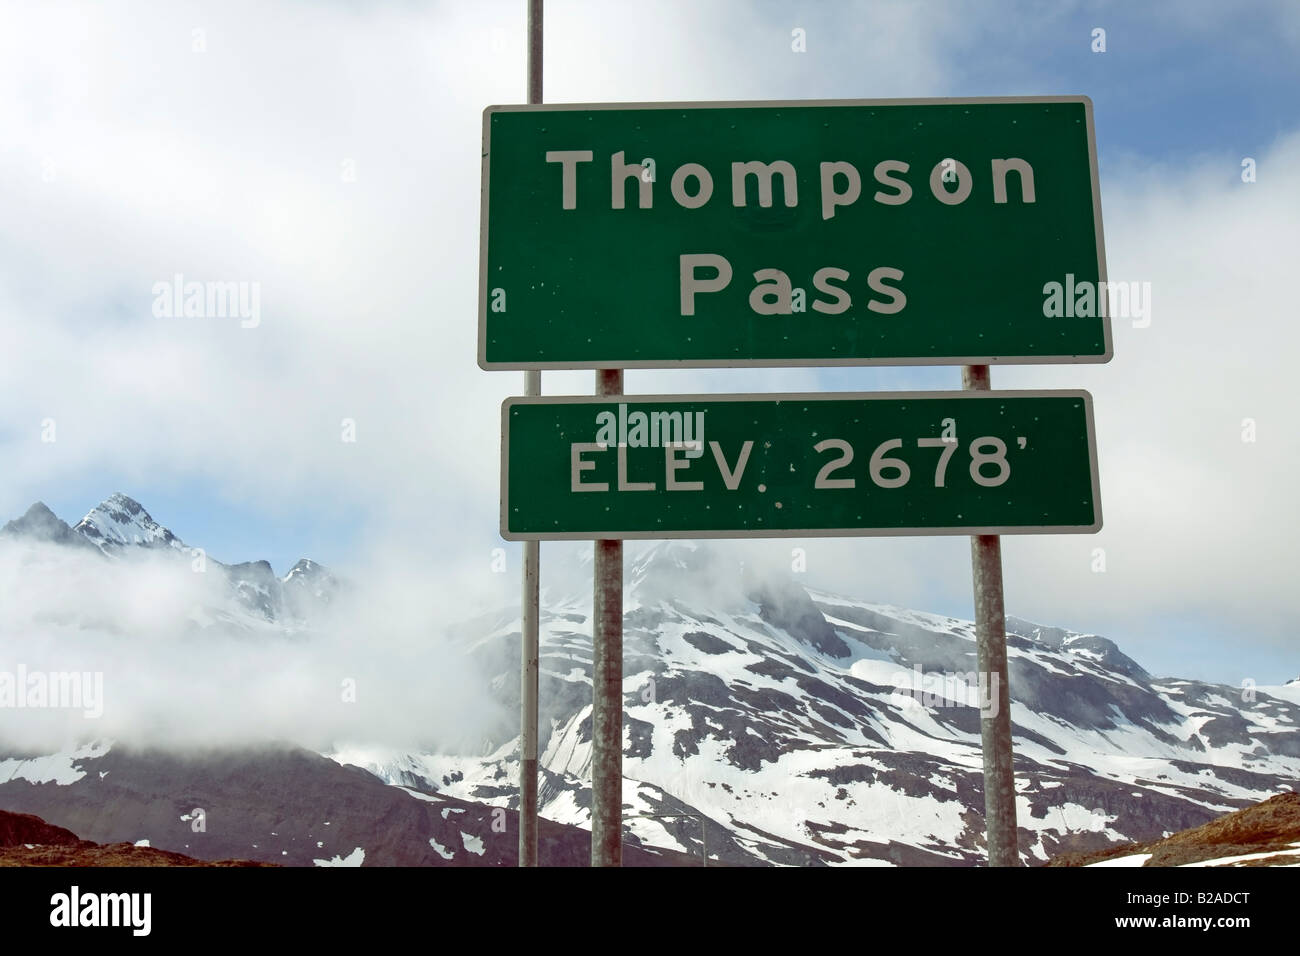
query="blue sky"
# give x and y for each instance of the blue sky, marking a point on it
(225, 163)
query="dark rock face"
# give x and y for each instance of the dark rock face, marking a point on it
(41, 524)
(18, 829)
(787, 607)
(707, 642)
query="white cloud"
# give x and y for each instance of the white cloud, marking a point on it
(130, 157)
(183, 663)
(226, 165)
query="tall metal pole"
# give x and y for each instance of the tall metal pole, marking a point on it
(532, 559)
(607, 685)
(991, 643)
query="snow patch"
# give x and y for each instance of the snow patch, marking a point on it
(355, 858)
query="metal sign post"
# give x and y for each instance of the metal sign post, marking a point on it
(532, 560)
(607, 685)
(991, 649)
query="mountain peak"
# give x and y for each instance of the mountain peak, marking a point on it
(307, 586)
(41, 524)
(120, 521)
(1099, 648)
(305, 567)
(39, 512)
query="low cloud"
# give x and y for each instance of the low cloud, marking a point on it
(376, 668)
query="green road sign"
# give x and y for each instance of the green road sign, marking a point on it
(725, 466)
(862, 232)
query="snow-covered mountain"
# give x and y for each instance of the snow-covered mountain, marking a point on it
(766, 722)
(120, 522)
(276, 804)
(809, 727)
(119, 528)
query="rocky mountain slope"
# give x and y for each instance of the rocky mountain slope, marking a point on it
(277, 804)
(795, 726)
(27, 840)
(1266, 834)
(766, 722)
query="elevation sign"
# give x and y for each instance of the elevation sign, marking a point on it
(875, 463)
